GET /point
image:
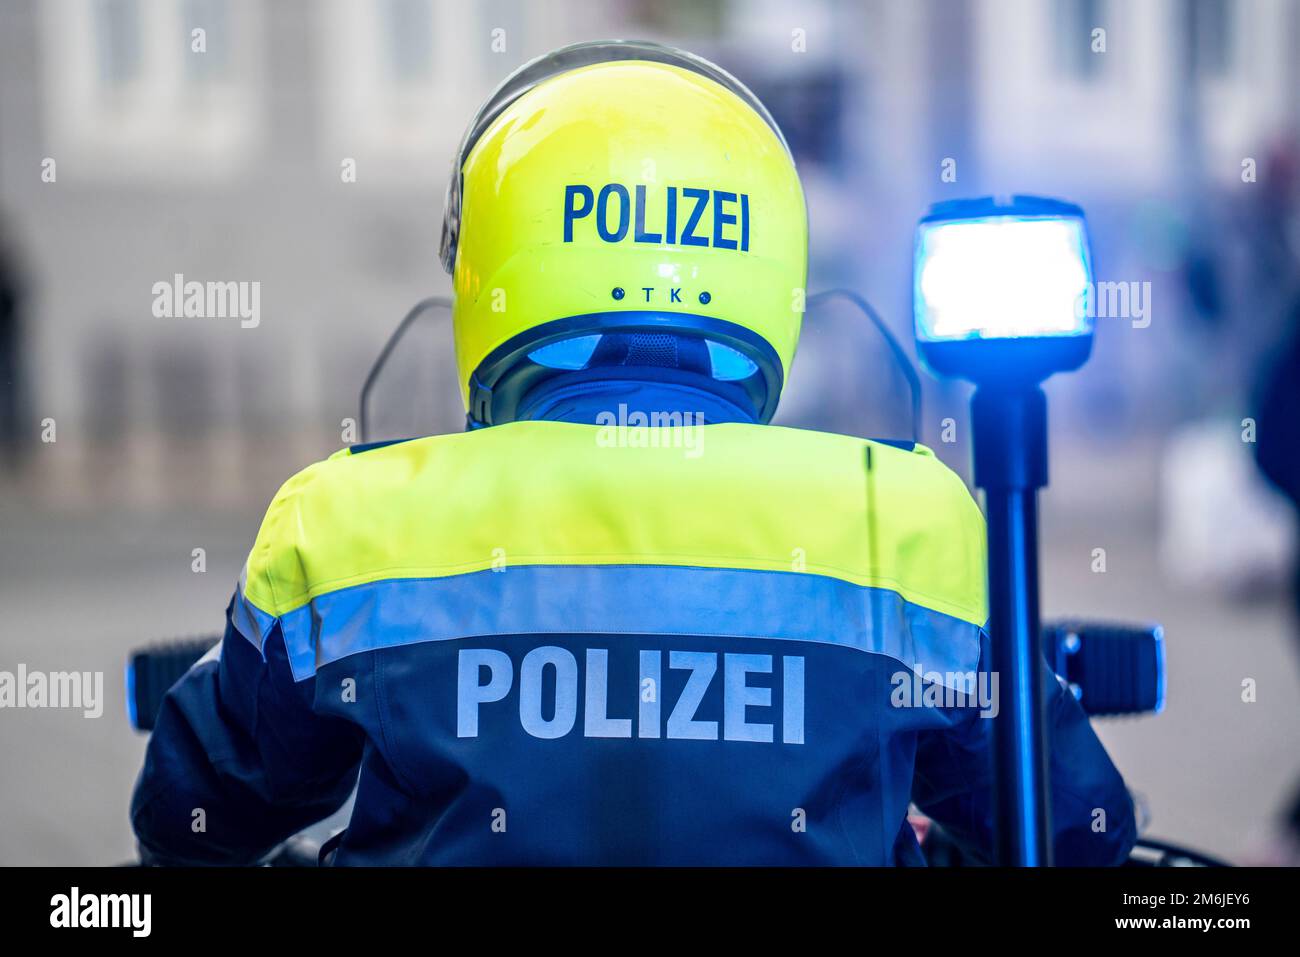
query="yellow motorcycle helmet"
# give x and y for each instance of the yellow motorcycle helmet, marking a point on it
(621, 205)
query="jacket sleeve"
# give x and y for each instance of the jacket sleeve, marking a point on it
(238, 760)
(1090, 809)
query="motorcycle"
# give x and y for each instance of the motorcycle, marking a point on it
(1113, 669)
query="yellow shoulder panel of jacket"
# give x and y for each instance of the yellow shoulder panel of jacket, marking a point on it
(548, 493)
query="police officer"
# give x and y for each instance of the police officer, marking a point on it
(620, 619)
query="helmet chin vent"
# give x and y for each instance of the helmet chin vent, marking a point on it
(651, 349)
(656, 350)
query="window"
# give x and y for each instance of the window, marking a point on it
(118, 41)
(213, 17)
(408, 39)
(128, 96)
(1209, 35)
(1073, 24)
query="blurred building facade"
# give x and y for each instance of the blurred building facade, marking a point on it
(128, 156)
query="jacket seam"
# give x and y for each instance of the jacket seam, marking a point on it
(381, 701)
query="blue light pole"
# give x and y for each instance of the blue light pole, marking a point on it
(1002, 295)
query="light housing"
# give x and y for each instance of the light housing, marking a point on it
(1003, 291)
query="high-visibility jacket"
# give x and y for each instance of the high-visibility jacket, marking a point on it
(556, 643)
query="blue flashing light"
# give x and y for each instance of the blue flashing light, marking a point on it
(1002, 277)
(1159, 634)
(131, 714)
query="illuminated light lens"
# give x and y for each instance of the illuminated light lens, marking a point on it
(1002, 277)
(728, 365)
(568, 354)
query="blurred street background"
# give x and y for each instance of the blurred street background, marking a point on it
(128, 441)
